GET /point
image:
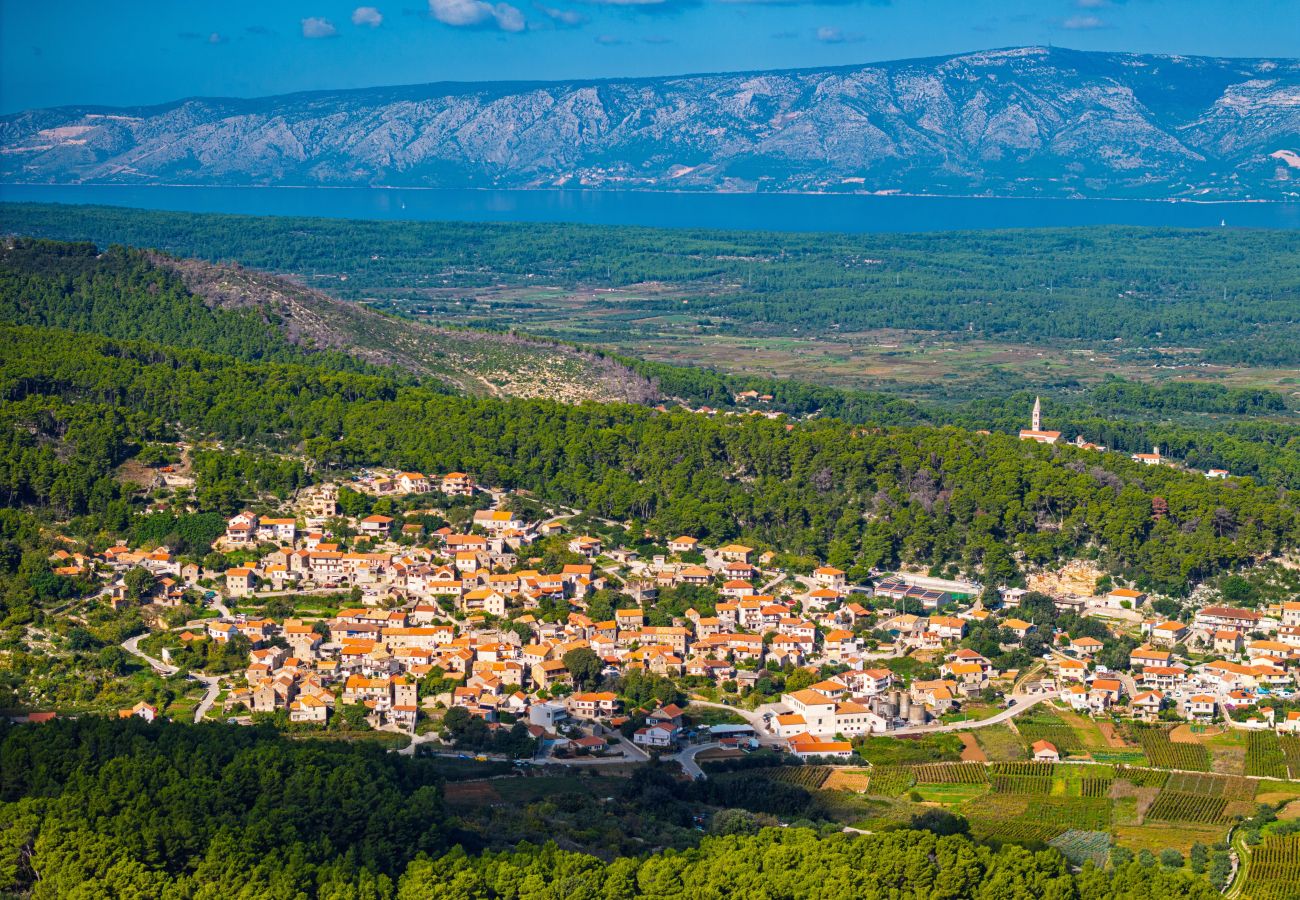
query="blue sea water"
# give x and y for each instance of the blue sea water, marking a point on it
(775, 212)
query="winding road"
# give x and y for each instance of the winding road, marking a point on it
(211, 682)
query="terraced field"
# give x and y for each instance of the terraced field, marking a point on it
(1166, 754)
(1274, 872)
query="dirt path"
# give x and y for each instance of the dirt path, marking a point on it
(971, 750)
(1107, 730)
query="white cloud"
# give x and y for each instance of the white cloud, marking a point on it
(1082, 23)
(216, 38)
(316, 27)
(367, 15)
(462, 13)
(563, 16)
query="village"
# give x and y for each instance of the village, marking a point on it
(469, 619)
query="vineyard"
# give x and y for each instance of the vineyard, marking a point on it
(1095, 787)
(1022, 784)
(1273, 869)
(1142, 777)
(889, 781)
(1023, 768)
(1044, 725)
(809, 777)
(847, 780)
(1264, 756)
(1291, 753)
(951, 773)
(1166, 754)
(1226, 786)
(1176, 806)
(1081, 846)
(1008, 817)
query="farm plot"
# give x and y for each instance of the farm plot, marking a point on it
(1081, 846)
(1291, 752)
(1166, 754)
(951, 773)
(1021, 819)
(1140, 777)
(847, 780)
(999, 743)
(1095, 787)
(1023, 768)
(1226, 786)
(1022, 784)
(1045, 725)
(810, 777)
(889, 781)
(1176, 806)
(1264, 755)
(1273, 868)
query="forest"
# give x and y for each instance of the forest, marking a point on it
(1232, 293)
(123, 293)
(76, 406)
(96, 808)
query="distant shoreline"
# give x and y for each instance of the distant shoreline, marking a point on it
(626, 190)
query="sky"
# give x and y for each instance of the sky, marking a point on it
(134, 52)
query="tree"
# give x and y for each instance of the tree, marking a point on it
(733, 821)
(139, 583)
(583, 666)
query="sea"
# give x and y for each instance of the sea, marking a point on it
(768, 212)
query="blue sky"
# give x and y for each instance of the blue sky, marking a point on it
(56, 52)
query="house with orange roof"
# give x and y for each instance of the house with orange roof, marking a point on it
(1045, 751)
(683, 544)
(1146, 705)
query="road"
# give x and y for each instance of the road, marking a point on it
(1023, 702)
(752, 717)
(211, 682)
(686, 758)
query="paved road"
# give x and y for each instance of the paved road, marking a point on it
(211, 682)
(755, 720)
(1023, 702)
(686, 758)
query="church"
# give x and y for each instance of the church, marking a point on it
(1035, 431)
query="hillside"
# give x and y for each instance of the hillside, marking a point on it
(263, 316)
(1030, 121)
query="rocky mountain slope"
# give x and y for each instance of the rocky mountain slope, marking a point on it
(1028, 122)
(476, 362)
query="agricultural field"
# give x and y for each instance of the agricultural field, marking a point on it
(1164, 753)
(1047, 725)
(949, 794)
(808, 777)
(1226, 786)
(893, 751)
(1141, 777)
(1176, 806)
(847, 780)
(1022, 784)
(1264, 756)
(890, 781)
(1274, 870)
(1084, 846)
(951, 773)
(1000, 743)
(1291, 753)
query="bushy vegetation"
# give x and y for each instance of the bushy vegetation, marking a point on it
(849, 495)
(1235, 290)
(122, 808)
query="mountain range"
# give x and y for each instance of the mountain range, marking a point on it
(1030, 121)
